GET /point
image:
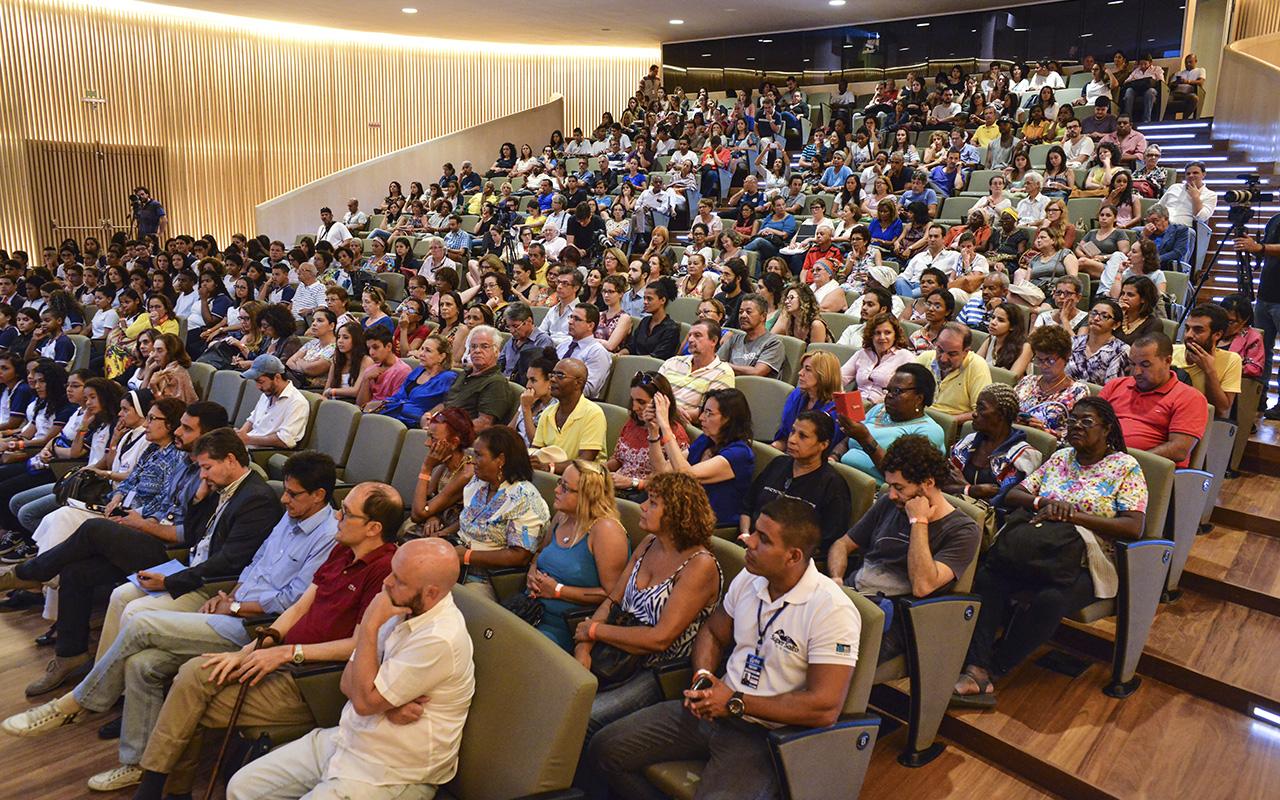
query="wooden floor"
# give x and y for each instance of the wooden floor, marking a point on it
(56, 766)
(1238, 557)
(1157, 744)
(954, 774)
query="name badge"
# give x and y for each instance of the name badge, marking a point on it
(751, 673)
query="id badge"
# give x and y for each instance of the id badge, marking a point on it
(751, 672)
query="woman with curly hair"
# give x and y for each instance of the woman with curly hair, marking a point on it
(584, 550)
(801, 317)
(671, 584)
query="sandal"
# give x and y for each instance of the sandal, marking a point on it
(984, 698)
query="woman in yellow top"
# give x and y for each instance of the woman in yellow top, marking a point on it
(120, 342)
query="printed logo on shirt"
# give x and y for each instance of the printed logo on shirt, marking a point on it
(781, 639)
(843, 649)
(351, 587)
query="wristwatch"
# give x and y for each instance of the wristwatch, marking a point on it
(735, 706)
(235, 608)
(298, 658)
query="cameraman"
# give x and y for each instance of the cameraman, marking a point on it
(149, 214)
(1267, 308)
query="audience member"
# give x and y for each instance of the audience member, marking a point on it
(1156, 411)
(582, 345)
(884, 349)
(279, 419)
(804, 474)
(721, 459)
(902, 413)
(1046, 398)
(959, 373)
(629, 464)
(571, 422)
(1214, 371)
(1097, 355)
(913, 541)
(996, 456)
(756, 351)
(694, 376)
(481, 391)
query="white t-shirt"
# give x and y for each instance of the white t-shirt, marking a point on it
(1053, 79)
(1048, 317)
(336, 235)
(945, 261)
(814, 623)
(1032, 210)
(102, 322)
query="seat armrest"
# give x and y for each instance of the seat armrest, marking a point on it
(1142, 567)
(1191, 488)
(310, 669)
(507, 581)
(938, 633)
(822, 763)
(674, 678)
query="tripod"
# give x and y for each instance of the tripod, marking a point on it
(1239, 217)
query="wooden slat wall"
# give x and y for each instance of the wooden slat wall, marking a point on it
(241, 115)
(1255, 18)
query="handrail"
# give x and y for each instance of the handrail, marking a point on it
(1247, 107)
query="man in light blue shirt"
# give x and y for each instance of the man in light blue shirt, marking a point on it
(918, 192)
(153, 644)
(584, 346)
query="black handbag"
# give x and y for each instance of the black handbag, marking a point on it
(80, 484)
(612, 665)
(1051, 553)
(524, 607)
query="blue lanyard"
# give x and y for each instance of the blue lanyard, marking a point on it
(762, 632)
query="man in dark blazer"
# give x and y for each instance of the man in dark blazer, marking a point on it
(225, 521)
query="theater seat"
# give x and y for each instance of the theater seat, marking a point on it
(812, 763)
(837, 322)
(950, 428)
(615, 417)
(413, 453)
(1142, 567)
(767, 397)
(80, 359)
(333, 430)
(225, 389)
(842, 352)
(618, 392)
(547, 713)
(794, 348)
(684, 309)
(862, 490)
(201, 376)
(248, 399)
(1246, 413)
(374, 450)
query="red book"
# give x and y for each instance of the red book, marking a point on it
(849, 404)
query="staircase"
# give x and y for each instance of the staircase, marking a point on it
(1193, 140)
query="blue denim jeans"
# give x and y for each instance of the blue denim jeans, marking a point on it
(905, 288)
(32, 505)
(144, 658)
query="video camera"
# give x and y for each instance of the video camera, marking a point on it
(1249, 194)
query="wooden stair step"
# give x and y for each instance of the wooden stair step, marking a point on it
(954, 773)
(1236, 565)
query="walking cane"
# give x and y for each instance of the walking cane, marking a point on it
(261, 636)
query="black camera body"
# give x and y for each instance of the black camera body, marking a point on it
(135, 201)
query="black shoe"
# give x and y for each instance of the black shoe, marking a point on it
(20, 599)
(111, 730)
(24, 551)
(48, 637)
(10, 540)
(1272, 413)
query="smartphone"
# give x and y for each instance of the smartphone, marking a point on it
(703, 682)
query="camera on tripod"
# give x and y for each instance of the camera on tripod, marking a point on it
(1249, 194)
(135, 202)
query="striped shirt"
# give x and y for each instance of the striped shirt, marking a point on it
(690, 385)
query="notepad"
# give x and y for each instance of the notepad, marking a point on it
(166, 569)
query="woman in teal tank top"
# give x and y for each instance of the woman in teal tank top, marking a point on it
(586, 549)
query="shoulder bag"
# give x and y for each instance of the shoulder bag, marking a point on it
(1044, 552)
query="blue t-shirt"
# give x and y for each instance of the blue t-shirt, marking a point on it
(945, 180)
(386, 322)
(16, 401)
(797, 402)
(148, 217)
(928, 197)
(728, 498)
(881, 233)
(833, 177)
(885, 431)
(61, 349)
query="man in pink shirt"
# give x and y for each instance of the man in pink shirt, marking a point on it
(387, 374)
(1131, 143)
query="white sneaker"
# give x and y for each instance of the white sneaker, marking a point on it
(38, 721)
(121, 777)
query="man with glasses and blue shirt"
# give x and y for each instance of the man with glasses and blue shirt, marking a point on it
(153, 644)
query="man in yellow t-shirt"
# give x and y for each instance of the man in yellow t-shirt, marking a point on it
(1216, 373)
(572, 422)
(988, 131)
(960, 373)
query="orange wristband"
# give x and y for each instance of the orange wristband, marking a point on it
(591, 631)
(466, 556)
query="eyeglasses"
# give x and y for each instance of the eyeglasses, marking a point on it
(1083, 423)
(1064, 292)
(350, 514)
(898, 391)
(563, 485)
(1044, 361)
(1096, 314)
(480, 346)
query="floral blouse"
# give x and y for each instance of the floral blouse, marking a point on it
(513, 515)
(146, 488)
(1106, 489)
(1051, 408)
(1111, 360)
(632, 449)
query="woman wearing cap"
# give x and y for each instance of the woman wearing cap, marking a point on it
(584, 552)
(437, 497)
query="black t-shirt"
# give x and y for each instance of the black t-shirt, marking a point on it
(585, 237)
(883, 535)
(731, 306)
(1269, 280)
(659, 342)
(823, 489)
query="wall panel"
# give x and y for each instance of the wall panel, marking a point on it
(242, 112)
(1255, 18)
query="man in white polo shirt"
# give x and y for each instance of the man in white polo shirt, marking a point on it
(409, 686)
(794, 635)
(280, 417)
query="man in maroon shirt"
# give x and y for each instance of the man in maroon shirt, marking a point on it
(1157, 412)
(319, 627)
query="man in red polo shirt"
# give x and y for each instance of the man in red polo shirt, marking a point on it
(1157, 412)
(319, 627)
